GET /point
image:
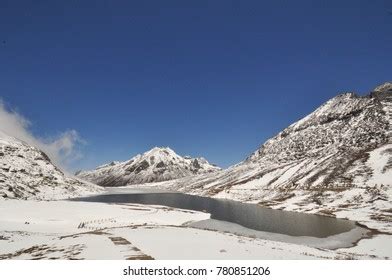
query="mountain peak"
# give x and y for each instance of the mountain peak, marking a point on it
(156, 165)
(160, 150)
(365, 119)
(386, 87)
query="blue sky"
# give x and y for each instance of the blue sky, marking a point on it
(207, 78)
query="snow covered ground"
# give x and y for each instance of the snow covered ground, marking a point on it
(85, 230)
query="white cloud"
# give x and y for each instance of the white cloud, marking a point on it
(62, 149)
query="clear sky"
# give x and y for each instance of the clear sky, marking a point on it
(207, 78)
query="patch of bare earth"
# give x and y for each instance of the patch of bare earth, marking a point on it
(381, 217)
(133, 253)
(39, 252)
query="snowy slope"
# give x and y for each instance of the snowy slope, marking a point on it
(156, 165)
(27, 173)
(335, 161)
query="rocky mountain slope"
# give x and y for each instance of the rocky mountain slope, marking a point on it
(335, 161)
(156, 165)
(27, 173)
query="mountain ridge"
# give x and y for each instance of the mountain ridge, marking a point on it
(27, 172)
(156, 165)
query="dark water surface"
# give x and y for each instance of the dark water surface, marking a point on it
(251, 216)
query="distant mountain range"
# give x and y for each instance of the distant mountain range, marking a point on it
(156, 165)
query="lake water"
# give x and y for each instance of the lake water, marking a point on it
(250, 219)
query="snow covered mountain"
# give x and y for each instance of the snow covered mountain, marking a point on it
(27, 173)
(156, 165)
(336, 160)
